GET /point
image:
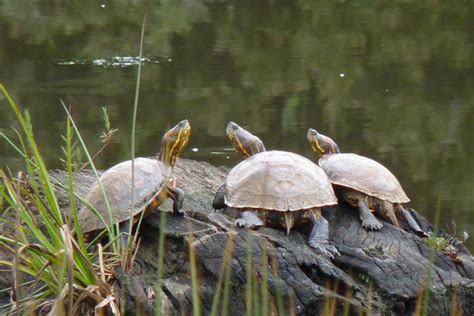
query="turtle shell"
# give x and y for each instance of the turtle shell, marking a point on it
(280, 181)
(365, 175)
(117, 183)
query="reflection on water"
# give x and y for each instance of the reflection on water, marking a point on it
(393, 82)
(116, 61)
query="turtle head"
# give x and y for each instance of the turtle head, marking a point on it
(243, 141)
(321, 144)
(174, 141)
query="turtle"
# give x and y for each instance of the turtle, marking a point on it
(153, 185)
(363, 183)
(276, 188)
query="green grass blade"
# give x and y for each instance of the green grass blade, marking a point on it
(264, 294)
(223, 275)
(47, 187)
(111, 228)
(132, 146)
(225, 298)
(429, 276)
(85, 273)
(278, 287)
(72, 198)
(24, 214)
(161, 255)
(249, 273)
(46, 249)
(256, 294)
(194, 277)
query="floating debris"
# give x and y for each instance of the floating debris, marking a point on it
(116, 61)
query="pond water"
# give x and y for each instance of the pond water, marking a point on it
(390, 81)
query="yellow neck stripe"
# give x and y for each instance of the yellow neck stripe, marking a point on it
(319, 147)
(241, 146)
(178, 140)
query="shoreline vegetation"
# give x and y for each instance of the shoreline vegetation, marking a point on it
(200, 264)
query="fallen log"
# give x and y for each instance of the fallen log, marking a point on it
(382, 272)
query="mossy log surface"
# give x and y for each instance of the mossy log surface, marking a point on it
(382, 272)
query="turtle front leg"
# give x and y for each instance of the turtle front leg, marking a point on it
(319, 237)
(411, 221)
(249, 219)
(177, 195)
(219, 200)
(366, 216)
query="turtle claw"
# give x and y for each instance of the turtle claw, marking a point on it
(369, 221)
(248, 220)
(422, 234)
(371, 224)
(242, 223)
(326, 250)
(178, 212)
(177, 195)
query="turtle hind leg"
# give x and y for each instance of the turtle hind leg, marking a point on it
(387, 212)
(177, 195)
(319, 237)
(124, 231)
(411, 222)
(249, 219)
(367, 218)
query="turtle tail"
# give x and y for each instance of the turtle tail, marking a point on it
(289, 222)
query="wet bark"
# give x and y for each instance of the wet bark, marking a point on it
(383, 272)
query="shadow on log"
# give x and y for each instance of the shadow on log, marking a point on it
(381, 272)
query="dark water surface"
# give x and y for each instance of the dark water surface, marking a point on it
(394, 82)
